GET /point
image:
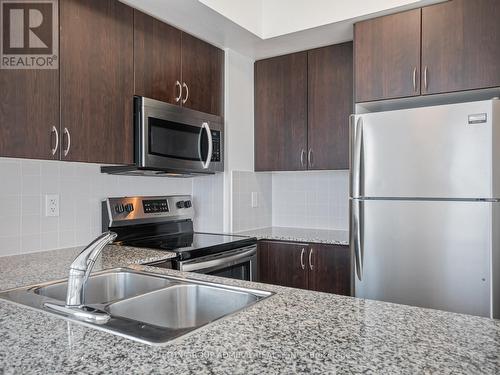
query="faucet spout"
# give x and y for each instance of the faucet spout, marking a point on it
(82, 267)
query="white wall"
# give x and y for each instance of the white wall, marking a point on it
(313, 199)
(246, 217)
(282, 17)
(239, 124)
(246, 13)
(81, 188)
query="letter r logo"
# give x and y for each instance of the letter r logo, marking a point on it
(27, 27)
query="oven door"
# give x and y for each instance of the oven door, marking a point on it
(172, 138)
(238, 264)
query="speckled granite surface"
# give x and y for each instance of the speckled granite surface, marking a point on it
(294, 331)
(333, 237)
(26, 269)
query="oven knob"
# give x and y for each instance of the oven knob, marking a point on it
(187, 204)
(180, 204)
(129, 207)
(119, 208)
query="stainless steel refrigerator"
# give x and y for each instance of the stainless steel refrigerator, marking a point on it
(425, 209)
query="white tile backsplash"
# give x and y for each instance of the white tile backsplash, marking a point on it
(312, 199)
(81, 188)
(246, 217)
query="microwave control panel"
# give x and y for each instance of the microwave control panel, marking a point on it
(216, 146)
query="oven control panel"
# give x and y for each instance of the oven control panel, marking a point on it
(155, 206)
(140, 210)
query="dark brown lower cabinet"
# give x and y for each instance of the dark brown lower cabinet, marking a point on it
(319, 267)
(280, 263)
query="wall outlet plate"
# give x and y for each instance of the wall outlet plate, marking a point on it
(255, 199)
(52, 205)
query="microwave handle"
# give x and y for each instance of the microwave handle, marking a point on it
(206, 128)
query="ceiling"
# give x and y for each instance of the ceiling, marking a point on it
(265, 28)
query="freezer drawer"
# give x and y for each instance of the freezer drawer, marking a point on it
(434, 152)
(434, 254)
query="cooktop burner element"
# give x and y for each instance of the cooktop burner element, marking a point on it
(164, 223)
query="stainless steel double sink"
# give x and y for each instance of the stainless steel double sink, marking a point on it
(146, 307)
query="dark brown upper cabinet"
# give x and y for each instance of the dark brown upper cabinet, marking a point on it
(202, 76)
(330, 102)
(97, 81)
(387, 57)
(319, 267)
(157, 59)
(460, 46)
(29, 113)
(281, 113)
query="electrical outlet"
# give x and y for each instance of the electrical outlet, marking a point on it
(52, 205)
(255, 199)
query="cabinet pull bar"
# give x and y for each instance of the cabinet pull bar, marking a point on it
(68, 146)
(187, 93)
(177, 98)
(311, 265)
(302, 264)
(54, 131)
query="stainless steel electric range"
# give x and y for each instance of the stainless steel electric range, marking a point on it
(166, 223)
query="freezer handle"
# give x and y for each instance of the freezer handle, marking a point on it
(357, 236)
(356, 156)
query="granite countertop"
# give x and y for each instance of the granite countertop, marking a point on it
(332, 237)
(26, 269)
(293, 331)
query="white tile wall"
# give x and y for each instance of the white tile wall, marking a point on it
(81, 187)
(208, 196)
(245, 217)
(313, 199)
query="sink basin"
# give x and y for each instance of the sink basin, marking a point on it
(182, 306)
(108, 287)
(146, 307)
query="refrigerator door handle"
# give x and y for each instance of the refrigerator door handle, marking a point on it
(357, 236)
(356, 156)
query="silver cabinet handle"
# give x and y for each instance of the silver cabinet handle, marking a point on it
(356, 156)
(68, 146)
(311, 265)
(56, 132)
(178, 98)
(415, 79)
(426, 81)
(310, 157)
(302, 157)
(187, 93)
(302, 264)
(356, 236)
(206, 163)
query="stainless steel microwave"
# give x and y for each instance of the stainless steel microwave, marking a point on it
(173, 141)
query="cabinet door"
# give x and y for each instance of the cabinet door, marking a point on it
(461, 46)
(97, 79)
(157, 59)
(281, 113)
(203, 76)
(330, 269)
(330, 104)
(387, 56)
(281, 263)
(29, 110)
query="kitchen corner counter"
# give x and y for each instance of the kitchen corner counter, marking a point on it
(34, 268)
(332, 237)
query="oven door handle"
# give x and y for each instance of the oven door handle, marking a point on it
(193, 265)
(206, 128)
